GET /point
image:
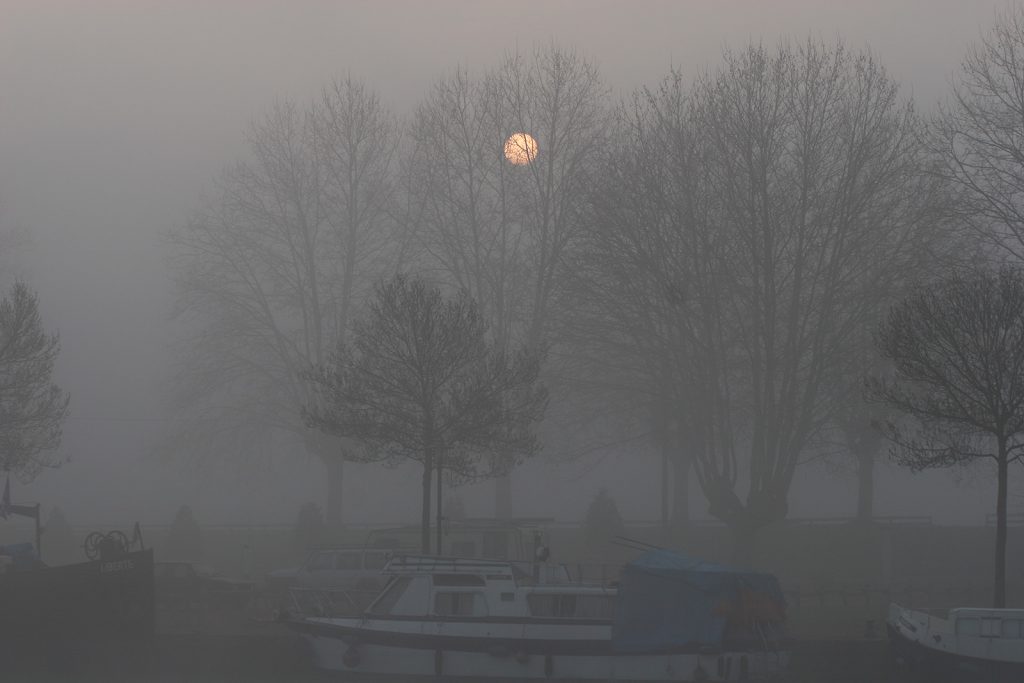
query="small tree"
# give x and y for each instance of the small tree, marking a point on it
(309, 528)
(419, 380)
(32, 407)
(603, 522)
(185, 538)
(958, 353)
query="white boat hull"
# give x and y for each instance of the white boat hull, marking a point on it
(338, 654)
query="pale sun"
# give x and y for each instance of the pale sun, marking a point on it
(520, 149)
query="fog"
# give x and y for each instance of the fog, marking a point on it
(116, 116)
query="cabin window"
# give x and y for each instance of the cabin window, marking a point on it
(992, 628)
(571, 606)
(392, 592)
(457, 604)
(1011, 628)
(348, 561)
(968, 627)
(547, 605)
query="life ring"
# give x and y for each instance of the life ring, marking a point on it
(352, 657)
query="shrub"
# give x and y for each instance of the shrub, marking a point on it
(184, 539)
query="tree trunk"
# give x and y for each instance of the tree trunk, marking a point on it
(680, 492)
(428, 470)
(439, 502)
(664, 490)
(335, 465)
(744, 538)
(999, 589)
(503, 497)
(865, 485)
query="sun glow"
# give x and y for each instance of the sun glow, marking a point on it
(520, 149)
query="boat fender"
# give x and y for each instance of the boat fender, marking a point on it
(549, 665)
(522, 657)
(352, 657)
(438, 662)
(699, 674)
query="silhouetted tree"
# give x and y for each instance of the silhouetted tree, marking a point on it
(780, 203)
(957, 350)
(185, 538)
(269, 271)
(503, 231)
(603, 522)
(309, 529)
(32, 407)
(419, 380)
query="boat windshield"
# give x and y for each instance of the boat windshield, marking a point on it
(385, 602)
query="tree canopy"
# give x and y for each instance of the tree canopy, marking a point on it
(32, 407)
(957, 353)
(419, 380)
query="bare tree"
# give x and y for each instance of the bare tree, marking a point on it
(957, 350)
(270, 270)
(979, 136)
(503, 231)
(648, 242)
(778, 204)
(823, 207)
(419, 380)
(32, 407)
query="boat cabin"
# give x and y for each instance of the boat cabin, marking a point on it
(458, 588)
(988, 622)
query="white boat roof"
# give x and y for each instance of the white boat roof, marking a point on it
(431, 564)
(987, 612)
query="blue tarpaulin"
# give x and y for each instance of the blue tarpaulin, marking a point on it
(668, 601)
(22, 554)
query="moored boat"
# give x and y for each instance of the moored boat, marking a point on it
(963, 644)
(77, 614)
(669, 618)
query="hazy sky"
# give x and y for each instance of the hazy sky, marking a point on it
(115, 115)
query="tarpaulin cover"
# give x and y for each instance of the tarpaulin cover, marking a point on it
(668, 601)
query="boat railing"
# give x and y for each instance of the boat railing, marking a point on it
(329, 602)
(401, 563)
(595, 573)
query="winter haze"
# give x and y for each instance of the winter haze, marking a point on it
(116, 116)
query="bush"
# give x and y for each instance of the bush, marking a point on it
(184, 539)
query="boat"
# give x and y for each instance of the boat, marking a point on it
(669, 617)
(80, 615)
(961, 644)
